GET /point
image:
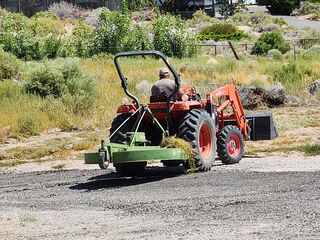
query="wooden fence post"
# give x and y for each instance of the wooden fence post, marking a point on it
(234, 51)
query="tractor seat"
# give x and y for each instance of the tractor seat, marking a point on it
(158, 98)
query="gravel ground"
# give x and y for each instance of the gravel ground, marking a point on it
(260, 198)
(301, 23)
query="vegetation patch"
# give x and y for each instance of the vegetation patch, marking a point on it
(59, 166)
(269, 41)
(310, 149)
(222, 31)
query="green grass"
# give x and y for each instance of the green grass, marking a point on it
(310, 149)
(11, 163)
(307, 149)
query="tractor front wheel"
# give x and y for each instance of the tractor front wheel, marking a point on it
(198, 128)
(230, 145)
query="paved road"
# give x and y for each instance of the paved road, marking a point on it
(300, 23)
(160, 204)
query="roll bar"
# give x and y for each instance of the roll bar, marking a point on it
(124, 82)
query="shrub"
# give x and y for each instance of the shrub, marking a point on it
(9, 65)
(201, 17)
(137, 39)
(49, 15)
(24, 39)
(65, 10)
(138, 4)
(63, 79)
(46, 23)
(223, 31)
(240, 18)
(83, 39)
(274, 54)
(284, 6)
(171, 36)
(268, 41)
(113, 28)
(27, 126)
(291, 73)
(51, 46)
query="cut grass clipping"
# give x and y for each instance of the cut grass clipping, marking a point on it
(172, 142)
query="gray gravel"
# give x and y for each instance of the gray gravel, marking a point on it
(301, 23)
(160, 204)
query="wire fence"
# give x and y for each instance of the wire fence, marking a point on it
(222, 48)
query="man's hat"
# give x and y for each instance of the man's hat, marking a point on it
(163, 71)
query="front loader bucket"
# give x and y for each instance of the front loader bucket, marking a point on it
(262, 126)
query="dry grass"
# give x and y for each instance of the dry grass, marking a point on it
(298, 129)
(173, 142)
(23, 115)
(83, 145)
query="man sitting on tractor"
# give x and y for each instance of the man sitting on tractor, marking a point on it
(165, 86)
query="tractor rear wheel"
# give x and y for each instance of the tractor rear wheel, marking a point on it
(198, 128)
(230, 145)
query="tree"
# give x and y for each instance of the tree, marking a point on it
(228, 7)
(284, 6)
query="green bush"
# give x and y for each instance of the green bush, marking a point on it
(292, 73)
(239, 18)
(171, 36)
(111, 32)
(27, 126)
(25, 39)
(284, 6)
(223, 31)
(50, 15)
(83, 39)
(268, 41)
(64, 79)
(9, 65)
(274, 54)
(201, 17)
(137, 39)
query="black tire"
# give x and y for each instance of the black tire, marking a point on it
(198, 128)
(171, 163)
(120, 135)
(131, 169)
(230, 145)
(104, 160)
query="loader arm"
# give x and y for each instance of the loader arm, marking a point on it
(230, 93)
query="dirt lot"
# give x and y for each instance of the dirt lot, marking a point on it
(260, 198)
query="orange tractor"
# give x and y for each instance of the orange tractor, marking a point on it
(214, 126)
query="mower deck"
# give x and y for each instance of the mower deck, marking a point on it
(121, 153)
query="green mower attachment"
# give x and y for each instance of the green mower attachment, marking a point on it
(124, 153)
(135, 150)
